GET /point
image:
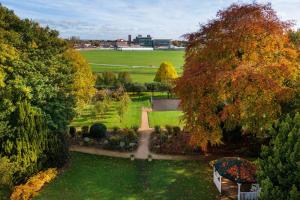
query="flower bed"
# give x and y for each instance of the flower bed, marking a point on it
(171, 140)
(117, 139)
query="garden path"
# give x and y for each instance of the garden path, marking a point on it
(143, 148)
(145, 134)
(102, 152)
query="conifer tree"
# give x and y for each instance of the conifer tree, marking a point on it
(279, 174)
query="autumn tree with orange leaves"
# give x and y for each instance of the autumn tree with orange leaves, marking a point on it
(240, 71)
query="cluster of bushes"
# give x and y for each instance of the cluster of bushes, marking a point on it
(96, 131)
(118, 139)
(33, 185)
(171, 140)
(122, 139)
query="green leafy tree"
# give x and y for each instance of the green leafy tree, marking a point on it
(279, 174)
(38, 94)
(84, 80)
(165, 73)
(101, 107)
(122, 106)
(124, 78)
(137, 88)
(107, 79)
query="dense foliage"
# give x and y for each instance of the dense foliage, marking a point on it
(240, 73)
(279, 174)
(41, 83)
(110, 79)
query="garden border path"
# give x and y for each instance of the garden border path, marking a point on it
(142, 151)
(102, 152)
(145, 134)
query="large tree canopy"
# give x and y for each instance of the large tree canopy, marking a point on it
(41, 83)
(240, 70)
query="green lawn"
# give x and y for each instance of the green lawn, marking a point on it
(97, 177)
(164, 118)
(134, 58)
(131, 118)
(141, 65)
(143, 78)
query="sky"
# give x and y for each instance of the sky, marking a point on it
(115, 19)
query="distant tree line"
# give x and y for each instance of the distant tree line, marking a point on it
(113, 81)
(163, 81)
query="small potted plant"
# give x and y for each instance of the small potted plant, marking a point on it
(149, 157)
(132, 157)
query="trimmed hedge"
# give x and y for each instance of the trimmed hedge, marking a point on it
(98, 131)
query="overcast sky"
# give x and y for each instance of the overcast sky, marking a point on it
(112, 19)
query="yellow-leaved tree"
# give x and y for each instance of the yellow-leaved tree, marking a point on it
(165, 73)
(84, 80)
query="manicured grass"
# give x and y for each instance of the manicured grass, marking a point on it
(134, 58)
(164, 118)
(96, 177)
(111, 119)
(141, 65)
(143, 78)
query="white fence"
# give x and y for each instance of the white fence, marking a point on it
(248, 195)
(135, 49)
(218, 180)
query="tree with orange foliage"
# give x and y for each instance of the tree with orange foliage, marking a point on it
(240, 70)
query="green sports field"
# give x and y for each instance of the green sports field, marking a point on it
(142, 65)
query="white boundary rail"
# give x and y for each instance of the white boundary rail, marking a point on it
(218, 180)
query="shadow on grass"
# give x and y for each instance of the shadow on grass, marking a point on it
(170, 180)
(98, 177)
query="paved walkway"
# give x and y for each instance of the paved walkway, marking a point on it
(145, 134)
(144, 121)
(100, 152)
(143, 149)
